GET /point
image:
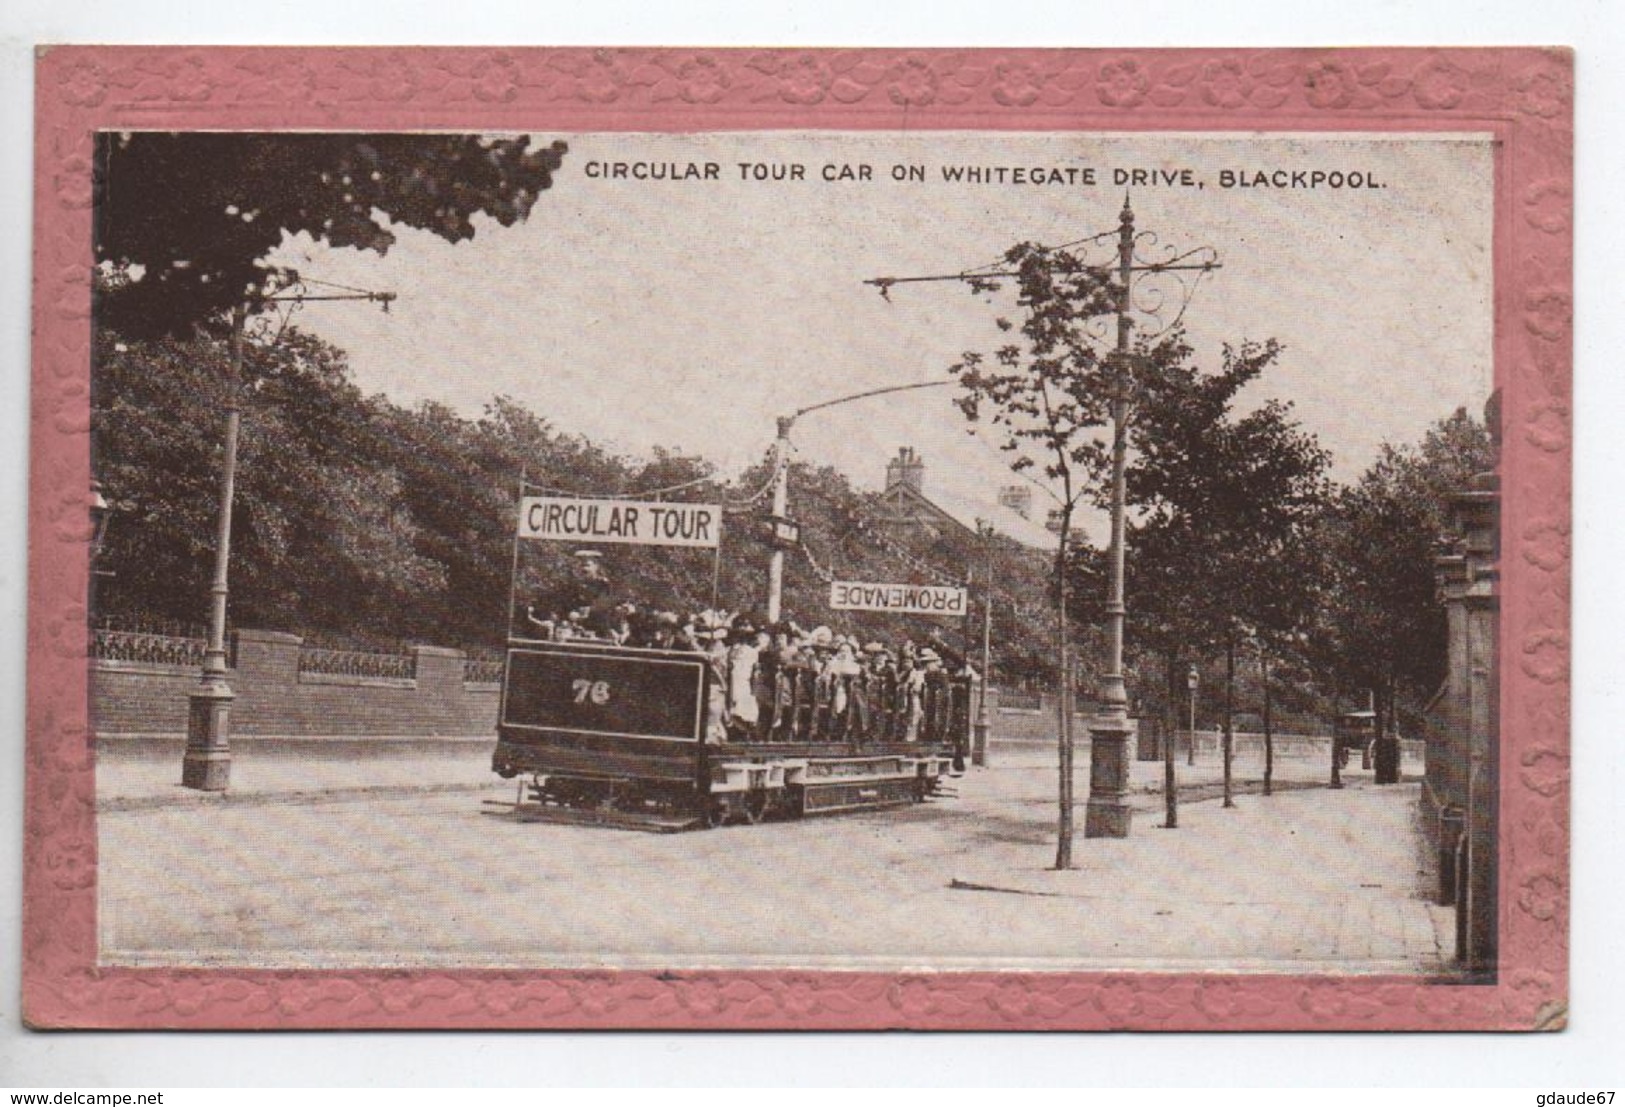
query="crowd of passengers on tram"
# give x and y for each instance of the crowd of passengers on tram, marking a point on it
(781, 682)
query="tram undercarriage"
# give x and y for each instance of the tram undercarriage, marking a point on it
(744, 787)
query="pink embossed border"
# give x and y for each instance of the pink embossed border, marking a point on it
(1523, 95)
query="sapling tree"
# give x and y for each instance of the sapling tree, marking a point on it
(1046, 398)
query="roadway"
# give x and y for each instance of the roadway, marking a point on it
(397, 862)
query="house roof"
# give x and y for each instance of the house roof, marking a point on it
(966, 510)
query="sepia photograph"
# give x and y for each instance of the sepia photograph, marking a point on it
(1060, 559)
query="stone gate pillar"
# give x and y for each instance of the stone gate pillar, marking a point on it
(1464, 765)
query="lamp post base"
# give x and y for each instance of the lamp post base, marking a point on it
(1108, 814)
(978, 745)
(206, 765)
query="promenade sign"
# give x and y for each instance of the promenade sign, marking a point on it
(630, 522)
(899, 599)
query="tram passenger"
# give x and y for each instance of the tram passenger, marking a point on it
(843, 669)
(951, 706)
(785, 666)
(578, 607)
(542, 625)
(911, 678)
(819, 649)
(883, 693)
(744, 650)
(712, 639)
(620, 620)
(935, 681)
(864, 688)
(761, 680)
(664, 631)
(574, 626)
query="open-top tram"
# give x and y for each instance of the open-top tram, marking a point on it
(631, 736)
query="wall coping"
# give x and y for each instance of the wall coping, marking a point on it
(344, 680)
(247, 635)
(146, 668)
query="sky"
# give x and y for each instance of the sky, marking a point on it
(689, 313)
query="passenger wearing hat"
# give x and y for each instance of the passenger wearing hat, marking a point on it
(710, 637)
(744, 710)
(818, 648)
(862, 689)
(761, 673)
(658, 631)
(842, 668)
(880, 689)
(934, 695)
(575, 599)
(793, 679)
(667, 627)
(913, 681)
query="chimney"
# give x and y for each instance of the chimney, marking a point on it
(1018, 498)
(906, 468)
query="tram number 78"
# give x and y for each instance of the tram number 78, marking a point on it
(595, 690)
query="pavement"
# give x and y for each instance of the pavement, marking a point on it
(1306, 878)
(324, 872)
(136, 776)
(147, 775)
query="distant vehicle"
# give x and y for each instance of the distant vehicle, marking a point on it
(1354, 730)
(615, 734)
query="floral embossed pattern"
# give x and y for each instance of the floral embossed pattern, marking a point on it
(1524, 97)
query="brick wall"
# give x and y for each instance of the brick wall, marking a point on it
(275, 699)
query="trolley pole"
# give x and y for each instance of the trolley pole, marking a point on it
(206, 764)
(781, 504)
(1108, 814)
(781, 481)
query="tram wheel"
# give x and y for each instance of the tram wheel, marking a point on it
(755, 806)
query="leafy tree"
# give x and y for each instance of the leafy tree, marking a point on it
(160, 475)
(184, 221)
(1382, 627)
(317, 523)
(1046, 395)
(1223, 508)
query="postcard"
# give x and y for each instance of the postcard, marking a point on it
(799, 539)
